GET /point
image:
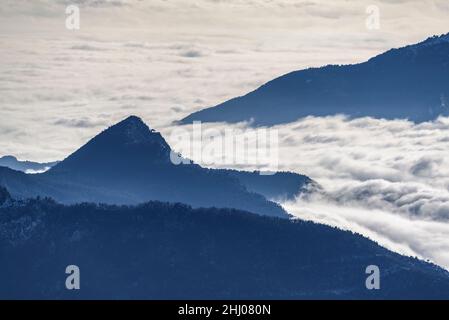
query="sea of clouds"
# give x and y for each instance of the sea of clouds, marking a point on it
(386, 179)
(162, 60)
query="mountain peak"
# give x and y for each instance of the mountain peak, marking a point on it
(129, 143)
(132, 119)
(133, 124)
(133, 130)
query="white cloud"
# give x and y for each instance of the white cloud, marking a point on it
(386, 179)
(412, 237)
(165, 59)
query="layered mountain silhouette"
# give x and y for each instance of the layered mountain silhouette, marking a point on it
(25, 166)
(407, 83)
(278, 186)
(129, 164)
(171, 251)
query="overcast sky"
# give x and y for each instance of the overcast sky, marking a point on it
(162, 60)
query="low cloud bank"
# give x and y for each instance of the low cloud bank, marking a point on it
(388, 180)
(413, 237)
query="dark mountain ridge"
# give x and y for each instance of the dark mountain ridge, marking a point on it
(171, 251)
(278, 186)
(406, 83)
(129, 164)
(25, 166)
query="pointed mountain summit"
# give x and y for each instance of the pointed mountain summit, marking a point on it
(127, 144)
(129, 163)
(406, 83)
(133, 130)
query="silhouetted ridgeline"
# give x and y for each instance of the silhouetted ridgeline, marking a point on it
(25, 166)
(406, 83)
(171, 251)
(280, 185)
(129, 164)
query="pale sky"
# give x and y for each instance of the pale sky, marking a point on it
(162, 60)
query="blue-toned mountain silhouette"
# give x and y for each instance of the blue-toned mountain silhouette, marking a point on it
(171, 251)
(278, 186)
(407, 83)
(25, 166)
(5, 197)
(130, 164)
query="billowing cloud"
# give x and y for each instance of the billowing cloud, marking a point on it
(387, 179)
(413, 237)
(163, 60)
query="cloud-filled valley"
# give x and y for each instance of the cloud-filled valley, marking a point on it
(388, 180)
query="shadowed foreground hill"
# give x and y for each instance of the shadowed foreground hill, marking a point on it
(171, 251)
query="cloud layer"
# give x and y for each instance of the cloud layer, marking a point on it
(386, 179)
(163, 60)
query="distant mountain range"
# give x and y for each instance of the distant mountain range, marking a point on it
(25, 166)
(171, 251)
(130, 164)
(407, 83)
